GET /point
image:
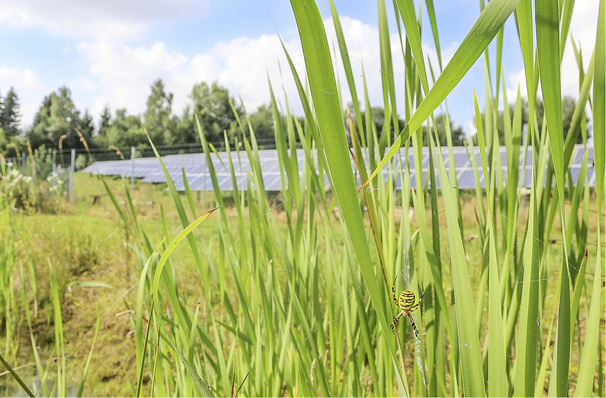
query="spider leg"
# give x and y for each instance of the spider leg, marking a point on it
(414, 307)
(395, 320)
(413, 324)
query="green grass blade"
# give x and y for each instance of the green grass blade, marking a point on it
(173, 245)
(28, 318)
(182, 215)
(587, 372)
(387, 80)
(549, 60)
(190, 198)
(591, 347)
(199, 384)
(599, 90)
(59, 342)
(497, 383)
(347, 66)
(16, 376)
(90, 354)
(434, 30)
(141, 341)
(117, 206)
(579, 111)
(472, 374)
(413, 35)
(547, 30)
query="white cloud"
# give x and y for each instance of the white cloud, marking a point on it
(24, 79)
(365, 60)
(514, 81)
(108, 18)
(363, 49)
(244, 64)
(123, 74)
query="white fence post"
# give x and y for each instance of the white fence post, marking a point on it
(132, 170)
(72, 168)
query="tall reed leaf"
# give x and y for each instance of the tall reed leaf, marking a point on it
(547, 20)
(587, 374)
(497, 384)
(468, 343)
(173, 245)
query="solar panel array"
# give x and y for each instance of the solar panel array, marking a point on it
(198, 175)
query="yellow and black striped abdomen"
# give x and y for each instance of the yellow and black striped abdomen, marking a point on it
(406, 300)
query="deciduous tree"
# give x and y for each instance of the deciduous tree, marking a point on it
(211, 104)
(157, 117)
(59, 116)
(126, 130)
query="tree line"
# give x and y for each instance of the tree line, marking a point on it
(59, 124)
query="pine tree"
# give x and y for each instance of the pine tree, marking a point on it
(9, 114)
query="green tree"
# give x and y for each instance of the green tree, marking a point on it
(185, 131)
(3, 141)
(126, 130)
(58, 116)
(101, 138)
(211, 104)
(157, 118)
(87, 125)
(262, 122)
(568, 106)
(457, 133)
(378, 117)
(9, 114)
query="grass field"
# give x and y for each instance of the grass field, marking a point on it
(259, 294)
(87, 243)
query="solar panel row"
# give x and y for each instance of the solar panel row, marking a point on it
(199, 179)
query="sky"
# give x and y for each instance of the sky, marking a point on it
(110, 52)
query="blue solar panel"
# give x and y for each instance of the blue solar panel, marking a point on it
(199, 178)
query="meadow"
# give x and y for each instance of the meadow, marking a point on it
(287, 294)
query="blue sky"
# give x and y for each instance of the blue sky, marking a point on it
(109, 53)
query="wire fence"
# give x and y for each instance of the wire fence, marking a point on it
(55, 168)
(124, 152)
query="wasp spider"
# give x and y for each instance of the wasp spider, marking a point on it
(406, 302)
